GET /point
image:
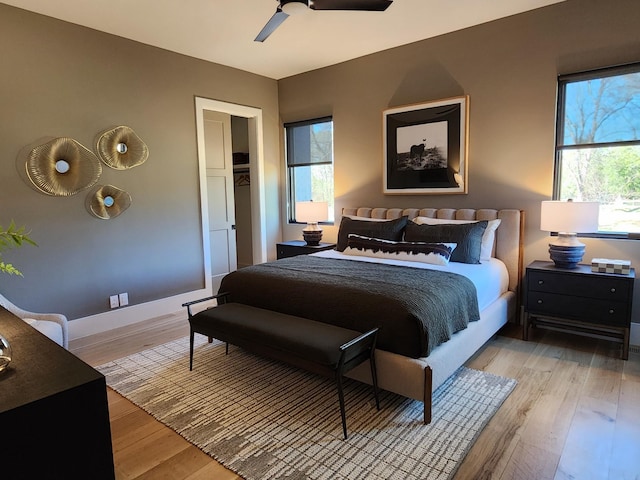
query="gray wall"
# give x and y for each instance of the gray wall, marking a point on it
(59, 79)
(509, 70)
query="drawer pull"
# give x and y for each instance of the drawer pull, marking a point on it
(539, 302)
(540, 282)
(613, 290)
(612, 311)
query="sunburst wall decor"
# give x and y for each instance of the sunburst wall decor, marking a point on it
(107, 201)
(121, 148)
(62, 167)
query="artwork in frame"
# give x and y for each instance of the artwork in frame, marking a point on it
(425, 147)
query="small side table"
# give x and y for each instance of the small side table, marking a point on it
(293, 248)
(580, 301)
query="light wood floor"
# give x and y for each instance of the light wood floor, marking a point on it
(575, 413)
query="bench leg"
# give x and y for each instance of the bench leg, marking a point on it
(374, 378)
(341, 397)
(191, 350)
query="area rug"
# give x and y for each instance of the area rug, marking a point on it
(264, 420)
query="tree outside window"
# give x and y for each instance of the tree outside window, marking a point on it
(598, 144)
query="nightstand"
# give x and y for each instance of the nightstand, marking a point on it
(580, 301)
(293, 248)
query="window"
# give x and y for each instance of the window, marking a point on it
(309, 156)
(598, 145)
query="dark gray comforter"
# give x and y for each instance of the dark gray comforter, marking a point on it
(415, 309)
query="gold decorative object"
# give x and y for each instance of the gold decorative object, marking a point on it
(121, 148)
(107, 201)
(62, 167)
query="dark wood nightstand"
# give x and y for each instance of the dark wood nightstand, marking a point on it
(293, 248)
(580, 301)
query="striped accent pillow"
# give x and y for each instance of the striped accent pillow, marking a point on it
(434, 253)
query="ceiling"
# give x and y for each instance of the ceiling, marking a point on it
(222, 31)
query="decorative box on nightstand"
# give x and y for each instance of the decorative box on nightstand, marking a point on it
(607, 265)
(293, 248)
(579, 300)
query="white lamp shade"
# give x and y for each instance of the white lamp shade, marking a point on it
(569, 217)
(312, 212)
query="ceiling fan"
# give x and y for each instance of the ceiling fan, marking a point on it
(291, 7)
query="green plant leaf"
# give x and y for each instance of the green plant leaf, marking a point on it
(10, 269)
(12, 237)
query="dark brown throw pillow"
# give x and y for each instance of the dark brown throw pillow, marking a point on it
(386, 230)
(468, 236)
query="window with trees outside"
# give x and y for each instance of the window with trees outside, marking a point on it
(309, 157)
(598, 145)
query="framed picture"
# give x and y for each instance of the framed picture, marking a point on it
(425, 148)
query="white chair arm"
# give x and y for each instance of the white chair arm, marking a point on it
(50, 317)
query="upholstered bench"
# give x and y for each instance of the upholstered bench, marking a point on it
(317, 347)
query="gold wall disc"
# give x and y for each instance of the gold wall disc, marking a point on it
(62, 167)
(121, 148)
(107, 201)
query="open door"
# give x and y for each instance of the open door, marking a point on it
(220, 195)
(215, 160)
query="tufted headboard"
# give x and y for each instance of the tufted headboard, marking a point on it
(509, 236)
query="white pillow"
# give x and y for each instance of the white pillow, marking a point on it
(488, 237)
(434, 253)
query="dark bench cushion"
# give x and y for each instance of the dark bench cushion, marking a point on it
(314, 341)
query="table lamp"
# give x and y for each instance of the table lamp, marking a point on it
(312, 213)
(568, 219)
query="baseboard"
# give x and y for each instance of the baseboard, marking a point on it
(121, 317)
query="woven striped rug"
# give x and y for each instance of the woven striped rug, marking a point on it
(264, 420)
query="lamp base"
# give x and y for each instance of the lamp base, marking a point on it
(566, 256)
(566, 251)
(312, 237)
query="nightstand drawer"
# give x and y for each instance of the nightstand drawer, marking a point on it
(592, 310)
(616, 289)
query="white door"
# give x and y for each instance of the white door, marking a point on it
(220, 198)
(215, 168)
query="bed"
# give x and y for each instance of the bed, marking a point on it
(365, 282)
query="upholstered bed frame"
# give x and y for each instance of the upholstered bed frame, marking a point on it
(418, 378)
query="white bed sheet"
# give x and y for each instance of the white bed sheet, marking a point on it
(490, 278)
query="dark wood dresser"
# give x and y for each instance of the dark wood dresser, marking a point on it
(54, 416)
(580, 301)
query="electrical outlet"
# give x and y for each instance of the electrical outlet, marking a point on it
(113, 301)
(123, 299)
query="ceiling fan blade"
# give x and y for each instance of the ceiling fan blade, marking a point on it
(362, 5)
(273, 23)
